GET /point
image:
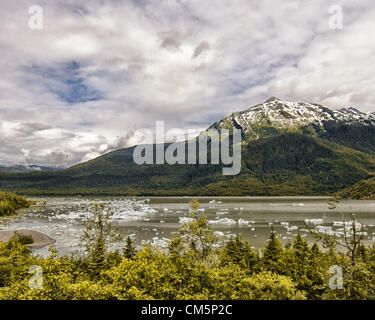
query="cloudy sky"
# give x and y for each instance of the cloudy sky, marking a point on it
(99, 70)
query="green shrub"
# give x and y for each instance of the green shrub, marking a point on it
(24, 238)
(10, 203)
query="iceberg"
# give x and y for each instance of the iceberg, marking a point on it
(314, 221)
(221, 213)
(243, 222)
(224, 221)
(185, 220)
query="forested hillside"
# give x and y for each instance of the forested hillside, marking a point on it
(288, 148)
(286, 164)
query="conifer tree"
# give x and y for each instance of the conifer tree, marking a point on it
(272, 259)
(301, 253)
(239, 252)
(97, 257)
(129, 251)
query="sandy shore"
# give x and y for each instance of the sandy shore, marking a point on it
(40, 239)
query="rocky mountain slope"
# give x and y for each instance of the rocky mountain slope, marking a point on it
(276, 116)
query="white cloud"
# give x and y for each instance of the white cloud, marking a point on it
(100, 70)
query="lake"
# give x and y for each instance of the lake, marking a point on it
(156, 219)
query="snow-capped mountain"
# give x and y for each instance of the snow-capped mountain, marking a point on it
(283, 115)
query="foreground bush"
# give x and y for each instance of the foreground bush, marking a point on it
(10, 203)
(193, 267)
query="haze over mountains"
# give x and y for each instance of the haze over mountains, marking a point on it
(11, 167)
(288, 148)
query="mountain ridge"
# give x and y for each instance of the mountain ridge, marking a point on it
(278, 115)
(305, 158)
(17, 168)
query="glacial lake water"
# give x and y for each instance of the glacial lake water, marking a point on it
(155, 220)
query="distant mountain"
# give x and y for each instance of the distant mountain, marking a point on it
(288, 149)
(347, 126)
(16, 168)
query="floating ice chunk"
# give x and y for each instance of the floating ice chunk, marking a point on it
(325, 230)
(349, 224)
(185, 220)
(157, 242)
(131, 215)
(243, 222)
(292, 228)
(224, 221)
(119, 210)
(219, 213)
(219, 234)
(314, 221)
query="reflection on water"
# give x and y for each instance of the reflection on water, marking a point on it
(156, 220)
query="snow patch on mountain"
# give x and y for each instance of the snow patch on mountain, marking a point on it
(280, 114)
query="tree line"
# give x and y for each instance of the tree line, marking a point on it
(194, 266)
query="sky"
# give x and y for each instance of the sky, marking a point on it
(97, 71)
